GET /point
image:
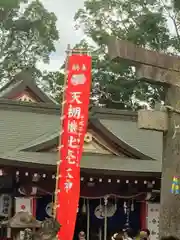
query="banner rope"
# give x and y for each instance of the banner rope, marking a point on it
(114, 196)
(61, 124)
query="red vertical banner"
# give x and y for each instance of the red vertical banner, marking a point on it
(74, 124)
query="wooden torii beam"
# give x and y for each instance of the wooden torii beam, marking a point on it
(138, 55)
(150, 65)
(159, 68)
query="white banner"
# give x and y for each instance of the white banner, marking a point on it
(153, 220)
(5, 205)
(24, 205)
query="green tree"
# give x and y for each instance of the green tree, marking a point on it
(144, 22)
(53, 84)
(27, 35)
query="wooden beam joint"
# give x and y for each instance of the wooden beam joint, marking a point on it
(157, 75)
(153, 120)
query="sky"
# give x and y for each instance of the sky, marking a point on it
(64, 11)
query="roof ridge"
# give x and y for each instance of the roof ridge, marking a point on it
(20, 83)
(93, 111)
(9, 83)
(129, 150)
(43, 138)
(113, 111)
(16, 79)
(106, 164)
(46, 108)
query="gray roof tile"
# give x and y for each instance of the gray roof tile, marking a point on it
(19, 128)
(89, 161)
(146, 141)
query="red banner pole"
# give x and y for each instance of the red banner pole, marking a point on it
(61, 127)
(75, 118)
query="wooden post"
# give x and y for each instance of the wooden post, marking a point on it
(160, 69)
(170, 203)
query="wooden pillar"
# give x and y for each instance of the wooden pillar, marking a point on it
(159, 68)
(143, 214)
(34, 205)
(170, 203)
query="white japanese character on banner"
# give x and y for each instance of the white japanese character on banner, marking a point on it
(76, 97)
(81, 125)
(76, 67)
(73, 142)
(84, 67)
(78, 79)
(72, 126)
(69, 170)
(74, 112)
(68, 186)
(71, 158)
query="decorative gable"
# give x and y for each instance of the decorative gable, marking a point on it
(24, 88)
(92, 145)
(25, 97)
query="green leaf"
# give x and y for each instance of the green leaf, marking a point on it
(27, 35)
(143, 22)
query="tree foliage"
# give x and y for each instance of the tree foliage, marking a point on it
(27, 35)
(53, 84)
(154, 24)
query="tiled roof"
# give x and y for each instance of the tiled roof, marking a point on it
(89, 161)
(23, 125)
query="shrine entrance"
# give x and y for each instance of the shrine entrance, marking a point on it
(100, 218)
(110, 203)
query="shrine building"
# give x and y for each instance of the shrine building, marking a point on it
(120, 167)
